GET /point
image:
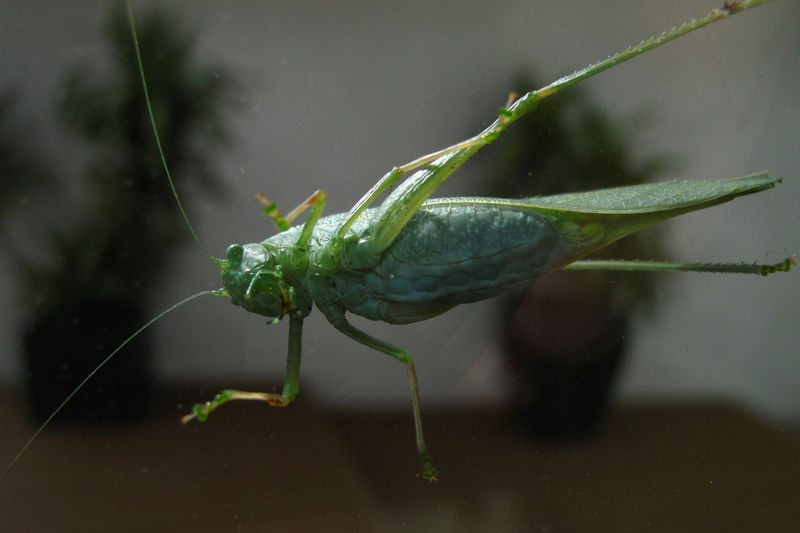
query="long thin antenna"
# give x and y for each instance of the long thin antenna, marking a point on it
(218, 292)
(158, 138)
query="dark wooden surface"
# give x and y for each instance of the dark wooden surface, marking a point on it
(657, 467)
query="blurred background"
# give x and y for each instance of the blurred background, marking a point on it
(543, 404)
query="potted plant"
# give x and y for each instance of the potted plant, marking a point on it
(96, 290)
(565, 337)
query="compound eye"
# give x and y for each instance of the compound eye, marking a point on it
(234, 253)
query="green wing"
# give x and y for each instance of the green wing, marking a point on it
(588, 221)
(657, 197)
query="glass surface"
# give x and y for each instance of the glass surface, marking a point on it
(700, 432)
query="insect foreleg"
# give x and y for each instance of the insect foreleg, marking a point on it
(283, 223)
(291, 383)
(336, 317)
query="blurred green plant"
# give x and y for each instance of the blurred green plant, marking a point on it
(23, 172)
(107, 266)
(132, 228)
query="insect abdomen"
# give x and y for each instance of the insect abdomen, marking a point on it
(448, 255)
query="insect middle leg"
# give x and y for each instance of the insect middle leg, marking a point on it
(336, 317)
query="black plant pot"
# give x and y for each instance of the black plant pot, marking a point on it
(564, 351)
(61, 351)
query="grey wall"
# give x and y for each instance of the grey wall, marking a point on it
(335, 93)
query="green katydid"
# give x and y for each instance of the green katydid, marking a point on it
(389, 262)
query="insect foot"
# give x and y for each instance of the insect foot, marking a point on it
(200, 412)
(429, 472)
